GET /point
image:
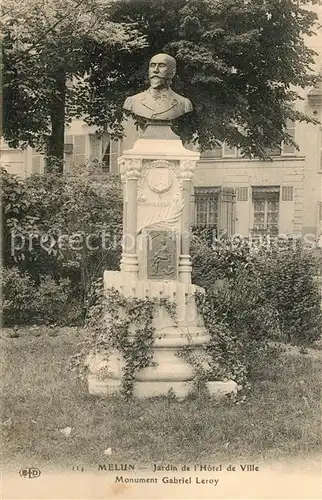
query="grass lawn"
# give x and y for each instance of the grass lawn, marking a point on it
(280, 418)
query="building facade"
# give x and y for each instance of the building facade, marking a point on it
(250, 197)
(82, 147)
(232, 194)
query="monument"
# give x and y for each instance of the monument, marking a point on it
(157, 186)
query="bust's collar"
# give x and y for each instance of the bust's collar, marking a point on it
(159, 94)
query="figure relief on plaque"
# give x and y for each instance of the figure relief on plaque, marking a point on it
(161, 255)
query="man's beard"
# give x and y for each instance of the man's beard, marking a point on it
(157, 81)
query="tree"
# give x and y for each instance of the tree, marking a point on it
(46, 45)
(239, 62)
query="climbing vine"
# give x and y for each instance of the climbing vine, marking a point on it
(198, 360)
(125, 324)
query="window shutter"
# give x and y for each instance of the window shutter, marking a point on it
(69, 139)
(68, 149)
(227, 207)
(79, 141)
(242, 193)
(287, 193)
(266, 213)
(79, 150)
(106, 153)
(114, 155)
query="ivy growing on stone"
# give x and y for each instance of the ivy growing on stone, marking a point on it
(125, 324)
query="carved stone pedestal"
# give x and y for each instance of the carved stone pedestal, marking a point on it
(171, 371)
(157, 175)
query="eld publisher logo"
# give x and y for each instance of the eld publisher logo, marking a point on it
(29, 473)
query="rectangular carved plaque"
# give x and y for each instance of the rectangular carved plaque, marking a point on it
(161, 255)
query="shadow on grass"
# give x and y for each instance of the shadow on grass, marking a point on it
(280, 417)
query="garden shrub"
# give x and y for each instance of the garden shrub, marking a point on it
(15, 212)
(71, 226)
(23, 301)
(18, 297)
(241, 324)
(53, 300)
(219, 261)
(243, 305)
(261, 282)
(289, 282)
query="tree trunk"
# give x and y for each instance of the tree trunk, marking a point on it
(55, 145)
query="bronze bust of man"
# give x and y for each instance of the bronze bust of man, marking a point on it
(159, 102)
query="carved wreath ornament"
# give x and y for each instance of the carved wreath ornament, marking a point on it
(165, 218)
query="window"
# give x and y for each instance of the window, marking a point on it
(215, 210)
(265, 210)
(222, 151)
(289, 149)
(75, 147)
(111, 151)
(206, 206)
(285, 149)
(229, 152)
(242, 193)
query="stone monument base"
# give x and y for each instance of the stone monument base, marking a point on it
(170, 370)
(142, 390)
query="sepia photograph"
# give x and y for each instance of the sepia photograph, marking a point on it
(161, 249)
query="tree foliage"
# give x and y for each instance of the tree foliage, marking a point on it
(239, 62)
(48, 44)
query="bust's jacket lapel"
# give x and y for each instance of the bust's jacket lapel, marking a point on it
(147, 101)
(164, 111)
(150, 103)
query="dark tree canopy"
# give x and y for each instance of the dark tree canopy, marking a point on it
(47, 51)
(238, 61)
